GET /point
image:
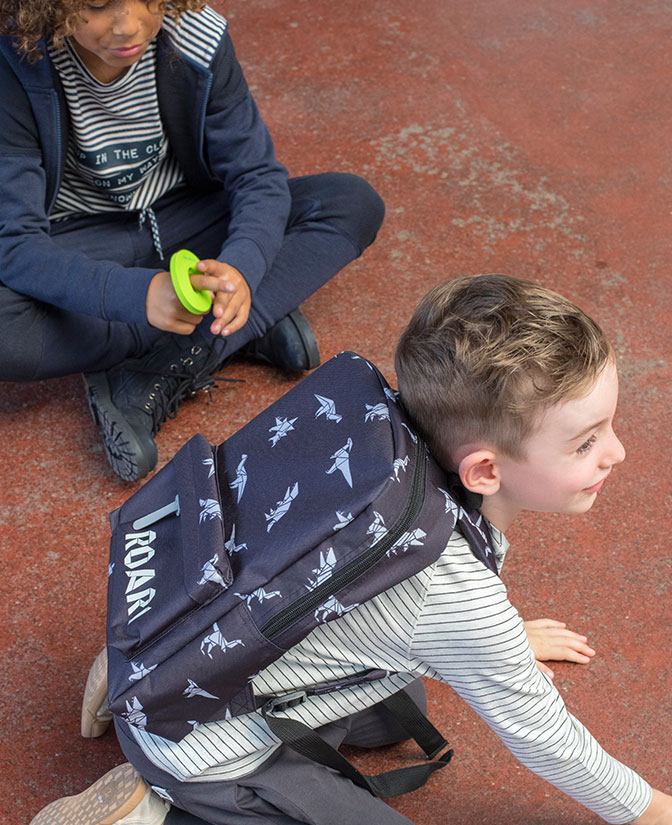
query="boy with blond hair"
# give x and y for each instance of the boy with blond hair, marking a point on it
(514, 389)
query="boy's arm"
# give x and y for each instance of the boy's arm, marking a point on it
(240, 153)
(31, 262)
(470, 636)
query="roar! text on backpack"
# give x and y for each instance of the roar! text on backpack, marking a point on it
(232, 554)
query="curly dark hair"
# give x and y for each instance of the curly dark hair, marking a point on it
(29, 20)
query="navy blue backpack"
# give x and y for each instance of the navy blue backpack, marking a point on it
(232, 554)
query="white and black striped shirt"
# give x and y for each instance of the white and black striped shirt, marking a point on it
(118, 156)
(452, 622)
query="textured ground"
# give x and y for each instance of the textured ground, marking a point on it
(528, 137)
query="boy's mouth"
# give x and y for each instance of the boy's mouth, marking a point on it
(595, 487)
(128, 51)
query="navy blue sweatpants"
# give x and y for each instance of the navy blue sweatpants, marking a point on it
(333, 218)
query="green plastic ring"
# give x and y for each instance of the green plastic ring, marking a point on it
(182, 265)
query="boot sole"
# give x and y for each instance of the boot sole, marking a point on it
(96, 717)
(307, 338)
(107, 801)
(129, 459)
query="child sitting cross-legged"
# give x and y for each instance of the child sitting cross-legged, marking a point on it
(515, 389)
(129, 133)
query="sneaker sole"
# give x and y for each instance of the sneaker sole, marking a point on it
(96, 717)
(107, 801)
(129, 459)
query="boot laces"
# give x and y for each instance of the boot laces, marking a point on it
(181, 379)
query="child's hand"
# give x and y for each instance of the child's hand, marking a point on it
(227, 287)
(232, 298)
(551, 640)
(164, 310)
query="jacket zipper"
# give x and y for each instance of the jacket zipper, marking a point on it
(352, 571)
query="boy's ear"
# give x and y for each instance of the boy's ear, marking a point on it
(478, 472)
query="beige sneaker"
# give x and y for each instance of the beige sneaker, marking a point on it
(106, 802)
(95, 715)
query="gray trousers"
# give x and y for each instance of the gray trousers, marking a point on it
(288, 789)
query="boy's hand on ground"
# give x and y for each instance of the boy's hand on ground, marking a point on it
(550, 640)
(231, 295)
(164, 310)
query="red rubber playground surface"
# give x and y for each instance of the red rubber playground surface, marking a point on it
(529, 137)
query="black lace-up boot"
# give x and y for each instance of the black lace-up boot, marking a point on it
(131, 401)
(289, 344)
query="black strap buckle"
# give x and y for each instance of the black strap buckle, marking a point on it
(278, 704)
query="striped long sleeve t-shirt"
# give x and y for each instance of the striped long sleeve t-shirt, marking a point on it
(452, 622)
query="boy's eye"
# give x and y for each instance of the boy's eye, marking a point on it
(587, 445)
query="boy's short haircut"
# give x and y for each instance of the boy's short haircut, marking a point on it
(482, 356)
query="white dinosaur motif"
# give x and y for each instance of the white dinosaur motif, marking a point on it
(391, 394)
(240, 480)
(414, 437)
(210, 462)
(460, 513)
(379, 412)
(327, 408)
(342, 461)
(162, 792)
(280, 430)
(110, 568)
(399, 464)
(211, 573)
(377, 528)
(359, 358)
(215, 639)
(134, 714)
(192, 689)
(477, 526)
(411, 538)
(139, 670)
(451, 506)
(211, 509)
(231, 546)
(259, 593)
(343, 520)
(332, 605)
(324, 570)
(282, 506)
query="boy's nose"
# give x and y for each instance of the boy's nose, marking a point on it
(615, 453)
(126, 19)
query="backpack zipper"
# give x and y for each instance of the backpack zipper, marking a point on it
(352, 571)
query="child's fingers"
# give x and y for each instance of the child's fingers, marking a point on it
(571, 650)
(538, 623)
(575, 640)
(212, 284)
(236, 323)
(230, 317)
(226, 306)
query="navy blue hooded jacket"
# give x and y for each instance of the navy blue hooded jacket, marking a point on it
(213, 127)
